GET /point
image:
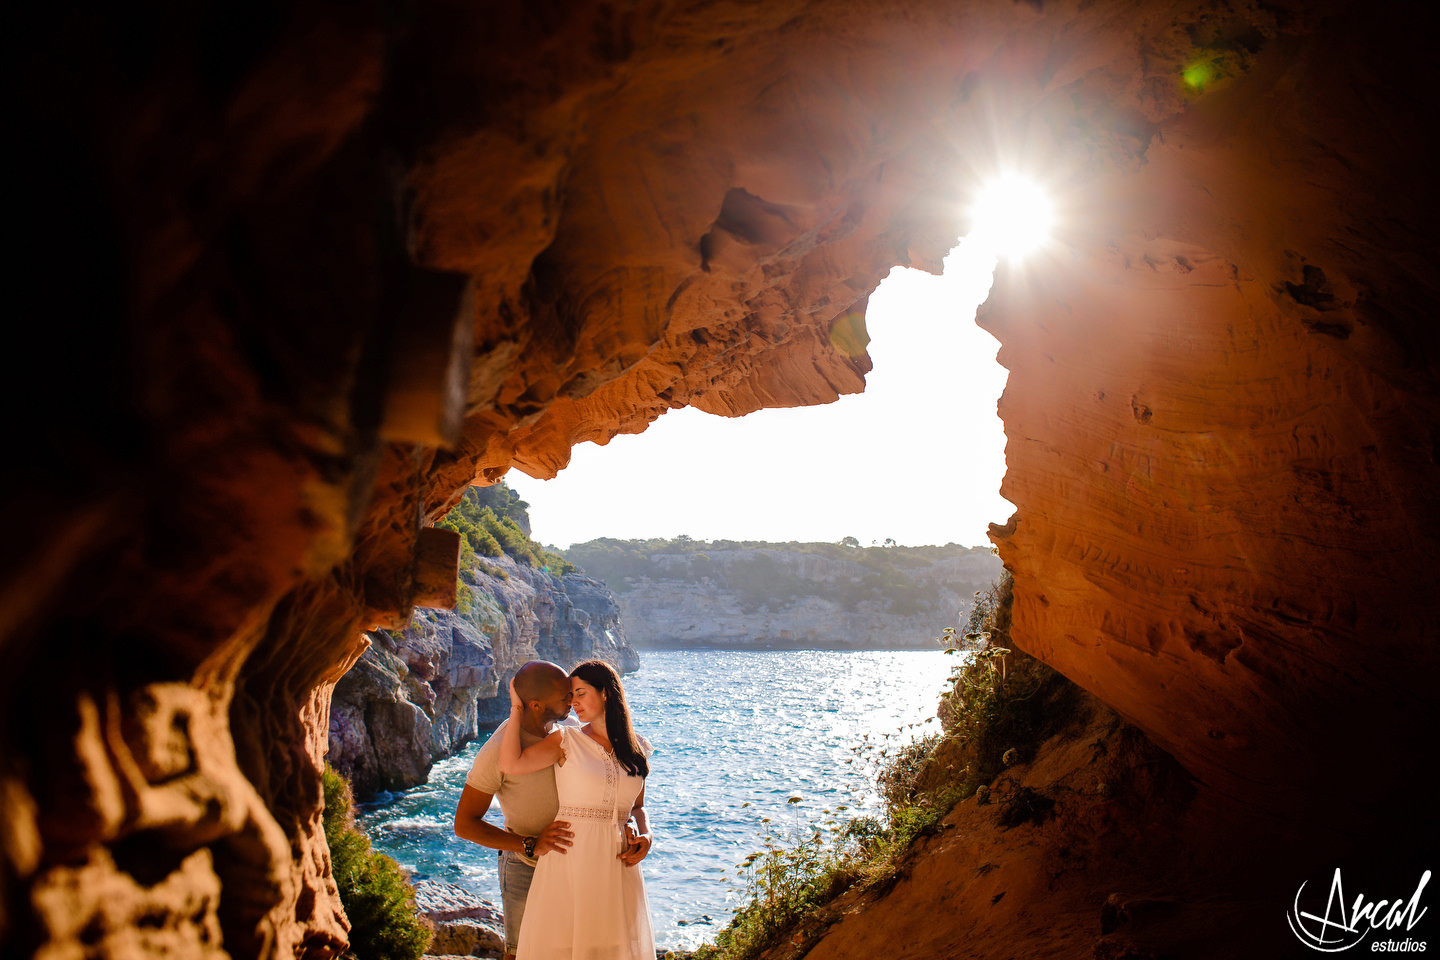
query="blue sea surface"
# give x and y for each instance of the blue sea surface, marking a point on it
(747, 745)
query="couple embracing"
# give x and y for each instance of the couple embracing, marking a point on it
(573, 796)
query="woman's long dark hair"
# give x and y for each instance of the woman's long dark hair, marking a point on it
(626, 744)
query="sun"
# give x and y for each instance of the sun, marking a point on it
(1012, 215)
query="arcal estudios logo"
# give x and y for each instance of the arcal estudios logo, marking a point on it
(1334, 921)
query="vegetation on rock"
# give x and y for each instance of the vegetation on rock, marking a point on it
(494, 521)
(1001, 704)
(999, 707)
(385, 923)
(418, 694)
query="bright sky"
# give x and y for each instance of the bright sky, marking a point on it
(917, 457)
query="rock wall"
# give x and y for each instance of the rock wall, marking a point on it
(411, 699)
(419, 694)
(781, 596)
(1217, 437)
(295, 275)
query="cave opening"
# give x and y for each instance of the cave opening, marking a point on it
(917, 457)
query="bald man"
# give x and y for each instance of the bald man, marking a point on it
(528, 802)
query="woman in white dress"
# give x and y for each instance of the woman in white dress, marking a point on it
(588, 902)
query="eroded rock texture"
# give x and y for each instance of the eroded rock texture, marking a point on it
(297, 273)
(409, 700)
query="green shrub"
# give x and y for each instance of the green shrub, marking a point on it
(488, 545)
(489, 569)
(785, 885)
(900, 776)
(505, 502)
(552, 562)
(379, 901)
(791, 888)
(475, 538)
(464, 598)
(999, 699)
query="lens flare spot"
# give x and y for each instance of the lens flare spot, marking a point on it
(848, 336)
(1197, 75)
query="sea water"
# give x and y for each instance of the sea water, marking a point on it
(748, 746)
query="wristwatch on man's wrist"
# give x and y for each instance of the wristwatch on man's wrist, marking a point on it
(528, 845)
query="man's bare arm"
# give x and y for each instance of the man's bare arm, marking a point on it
(470, 824)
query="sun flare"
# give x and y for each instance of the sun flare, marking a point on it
(1012, 215)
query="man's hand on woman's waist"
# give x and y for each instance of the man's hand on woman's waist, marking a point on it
(557, 836)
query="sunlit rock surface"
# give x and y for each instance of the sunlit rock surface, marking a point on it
(410, 700)
(465, 925)
(292, 278)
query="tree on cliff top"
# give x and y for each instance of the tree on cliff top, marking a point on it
(492, 521)
(505, 502)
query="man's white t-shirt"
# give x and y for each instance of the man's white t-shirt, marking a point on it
(528, 801)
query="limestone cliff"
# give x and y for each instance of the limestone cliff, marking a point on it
(419, 694)
(296, 274)
(410, 699)
(686, 593)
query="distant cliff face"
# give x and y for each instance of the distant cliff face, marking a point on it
(420, 694)
(687, 593)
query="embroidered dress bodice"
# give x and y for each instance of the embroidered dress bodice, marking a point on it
(591, 784)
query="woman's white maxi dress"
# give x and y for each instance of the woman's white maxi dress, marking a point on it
(586, 904)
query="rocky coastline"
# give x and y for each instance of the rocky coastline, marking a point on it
(418, 695)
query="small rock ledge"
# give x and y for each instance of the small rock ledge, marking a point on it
(465, 925)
